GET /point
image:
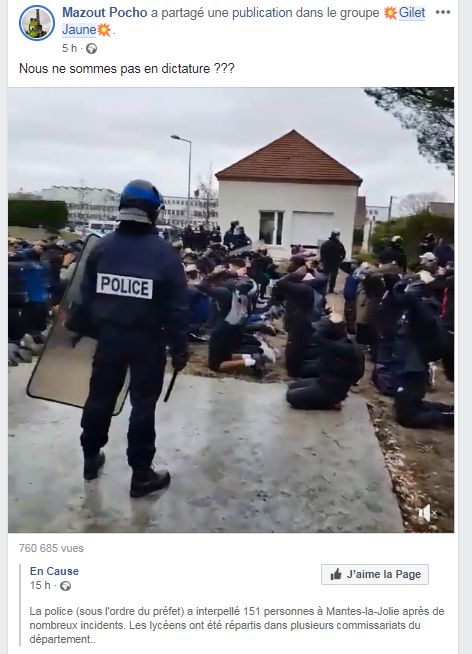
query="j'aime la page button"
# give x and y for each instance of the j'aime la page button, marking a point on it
(374, 575)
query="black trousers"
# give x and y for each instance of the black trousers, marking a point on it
(224, 342)
(35, 315)
(333, 275)
(300, 332)
(413, 411)
(16, 324)
(229, 340)
(448, 357)
(264, 283)
(117, 351)
(313, 394)
(310, 369)
(350, 316)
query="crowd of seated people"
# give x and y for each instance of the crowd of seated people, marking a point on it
(227, 306)
(403, 320)
(38, 273)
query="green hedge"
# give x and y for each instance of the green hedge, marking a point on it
(367, 257)
(412, 229)
(35, 213)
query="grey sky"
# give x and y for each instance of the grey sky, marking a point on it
(106, 137)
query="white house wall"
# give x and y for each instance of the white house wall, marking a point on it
(244, 200)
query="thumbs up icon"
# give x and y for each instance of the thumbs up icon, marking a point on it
(336, 575)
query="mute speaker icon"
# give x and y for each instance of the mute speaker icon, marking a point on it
(425, 513)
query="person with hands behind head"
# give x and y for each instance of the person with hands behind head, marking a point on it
(229, 292)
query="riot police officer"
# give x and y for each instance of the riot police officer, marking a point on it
(134, 290)
(394, 253)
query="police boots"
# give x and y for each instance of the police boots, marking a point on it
(148, 481)
(92, 465)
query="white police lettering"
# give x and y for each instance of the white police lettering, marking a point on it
(125, 286)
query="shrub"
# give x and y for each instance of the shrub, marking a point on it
(368, 257)
(412, 229)
(49, 214)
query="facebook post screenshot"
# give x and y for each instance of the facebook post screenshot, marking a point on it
(231, 402)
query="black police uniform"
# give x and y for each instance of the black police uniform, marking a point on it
(332, 254)
(135, 289)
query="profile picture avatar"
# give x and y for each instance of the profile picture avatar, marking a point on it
(37, 23)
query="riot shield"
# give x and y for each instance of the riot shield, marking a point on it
(62, 373)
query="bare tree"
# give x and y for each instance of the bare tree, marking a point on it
(208, 195)
(82, 193)
(415, 203)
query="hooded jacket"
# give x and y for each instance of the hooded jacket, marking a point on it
(340, 362)
(302, 298)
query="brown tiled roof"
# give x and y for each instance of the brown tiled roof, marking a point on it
(291, 158)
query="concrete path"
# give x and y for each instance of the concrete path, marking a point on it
(241, 461)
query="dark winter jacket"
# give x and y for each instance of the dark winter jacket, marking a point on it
(350, 288)
(444, 254)
(421, 337)
(228, 239)
(135, 280)
(221, 296)
(393, 253)
(340, 362)
(240, 241)
(332, 252)
(301, 297)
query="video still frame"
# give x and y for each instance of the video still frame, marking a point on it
(290, 252)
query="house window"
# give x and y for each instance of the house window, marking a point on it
(266, 227)
(280, 226)
(271, 227)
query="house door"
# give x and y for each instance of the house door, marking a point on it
(311, 228)
(271, 224)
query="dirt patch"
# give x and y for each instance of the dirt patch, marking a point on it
(420, 461)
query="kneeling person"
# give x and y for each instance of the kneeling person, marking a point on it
(228, 351)
(339, 366)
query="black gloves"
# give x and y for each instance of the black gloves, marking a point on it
(179, 361)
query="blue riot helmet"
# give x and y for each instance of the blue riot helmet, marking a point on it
(143, 196)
